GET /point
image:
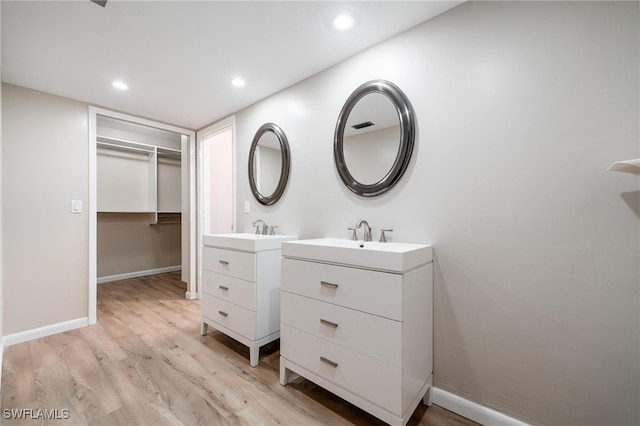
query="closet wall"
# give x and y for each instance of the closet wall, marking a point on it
(139, 200)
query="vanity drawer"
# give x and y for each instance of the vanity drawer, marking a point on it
(234, 317)
(374, 336)
(379, 293)
(234, 263)
(231, 289)
(362, 375)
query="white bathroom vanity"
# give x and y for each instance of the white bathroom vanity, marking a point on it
(241, 287)
(357, 319)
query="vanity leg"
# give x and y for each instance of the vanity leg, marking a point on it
(284, 373)
(254, 355)
(203, 328)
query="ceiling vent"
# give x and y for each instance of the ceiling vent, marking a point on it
(362, 125)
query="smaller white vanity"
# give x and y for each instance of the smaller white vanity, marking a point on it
(241, 287)
(357, 319)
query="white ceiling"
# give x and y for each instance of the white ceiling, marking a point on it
(178, 57)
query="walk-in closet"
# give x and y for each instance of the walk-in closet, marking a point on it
(139, 209)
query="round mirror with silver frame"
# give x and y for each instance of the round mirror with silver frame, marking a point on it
(374, 138)
(269, 164)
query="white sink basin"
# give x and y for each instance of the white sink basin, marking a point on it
(392, 257)
(246, 241)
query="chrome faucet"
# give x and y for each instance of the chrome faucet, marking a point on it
(367, 229)
(257, 223)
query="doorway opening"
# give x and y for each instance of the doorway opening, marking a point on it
(216, 198)
(141, 201)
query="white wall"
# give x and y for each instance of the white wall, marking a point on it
(127, 244)
(217, 181)
(520, 107)
(44, 167)
(1, 244)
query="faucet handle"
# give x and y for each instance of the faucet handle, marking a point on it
(354, 236)
(257, 229)
(272, 229)
(383, 237)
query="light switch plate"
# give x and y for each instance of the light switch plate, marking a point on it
(76, 206)
(246, 207)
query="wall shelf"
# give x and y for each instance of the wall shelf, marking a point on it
(627, 166)
(168, 218)
(124, 212)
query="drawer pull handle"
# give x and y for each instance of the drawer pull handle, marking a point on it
(329, 323)
(224, 314)
(328, 361)
(224, 262)
(221, 287)
(327, 284)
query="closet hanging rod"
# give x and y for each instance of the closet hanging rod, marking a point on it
(123, 142)
(124, 147)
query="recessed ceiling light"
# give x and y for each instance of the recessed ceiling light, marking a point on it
(238, 82)
(343, 22)
(119, 85)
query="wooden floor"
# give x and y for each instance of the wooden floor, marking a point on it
(145, 363)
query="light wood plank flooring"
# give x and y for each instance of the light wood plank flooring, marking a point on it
(145, 363)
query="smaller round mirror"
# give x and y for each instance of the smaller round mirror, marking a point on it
(269, 163)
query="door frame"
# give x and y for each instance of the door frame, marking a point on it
(188, 238)
(201, 135)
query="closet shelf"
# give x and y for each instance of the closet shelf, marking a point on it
(109, 142)
(138, 187)
(154, 218)
(168, 218)
(126, 211)
(626, 166)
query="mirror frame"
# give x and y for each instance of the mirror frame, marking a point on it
(406, 116)
(268, 200)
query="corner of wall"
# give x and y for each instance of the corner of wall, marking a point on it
(1, 253)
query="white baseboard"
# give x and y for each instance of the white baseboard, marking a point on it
(36, 333)
(471, 410)
(136, 274)
(190, 296)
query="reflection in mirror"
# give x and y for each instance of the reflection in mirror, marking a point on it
(371, 138)
(269, 164)
(374, 138)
